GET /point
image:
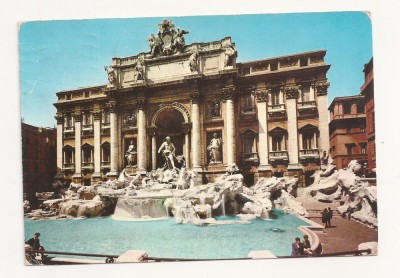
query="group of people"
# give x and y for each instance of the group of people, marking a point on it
(326, 216)
(301, 248)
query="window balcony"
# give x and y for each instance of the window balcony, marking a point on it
(278, 156)
(88, 165)
(250, 157)
(105, 164)
(69, 166)
(277, 111)
(68, 129)
(87, 127)
(307, 107)
(310, 154)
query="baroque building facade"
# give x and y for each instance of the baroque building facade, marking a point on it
(267, 117)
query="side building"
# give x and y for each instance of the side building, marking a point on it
(367, 90)
(38, 158)
(347, 130)
(269, 117)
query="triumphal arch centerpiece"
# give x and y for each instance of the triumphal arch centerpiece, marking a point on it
(197, 106)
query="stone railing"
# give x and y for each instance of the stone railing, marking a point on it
(307, 104)
(105, 164)
(87, 127)
(68, 129)
(277, 107)
(278, 155)
(246, 157)
(68, 166)
(87, 165)
(309, 153)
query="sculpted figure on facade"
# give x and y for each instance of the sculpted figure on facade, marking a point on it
(215, 149)
(129, 118)
(179, 40)
(230, 53)
(167, 149)
(194, 61)
(112, 78)
(155, 44)
(139, 70)
(213, 109)
(131, 154)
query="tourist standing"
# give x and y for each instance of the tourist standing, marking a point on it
(297, 247)
(330, 215)
(324, 217)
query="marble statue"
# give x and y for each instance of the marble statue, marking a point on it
(139, 70)
(155, 44)
(194, 62)
(215, 149)
(112, 79)
(131, 154)
(168, 151)
(179, 40)
(229, 54)
(324, 160)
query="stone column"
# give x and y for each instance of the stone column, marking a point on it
(230, 130)
(196, 152)
(322, 104)
(153, 134)
(114, 140)
(96, 148)
(141, 140)
(186, 127)
(263, 150)
(77, 177)
(60, 120)
(292, 93)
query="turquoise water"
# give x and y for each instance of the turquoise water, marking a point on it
(166, 238)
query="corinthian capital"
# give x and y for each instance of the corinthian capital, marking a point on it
(322, 88)
(292, 92)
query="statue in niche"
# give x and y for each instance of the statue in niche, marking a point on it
(179, 40)
(139, 74)
(112, 78)
(168, 152)
(215, 149)
(213, 109)
(230, 53)
(194, 61)
(155, 44)
(130, 118)
(131, 155)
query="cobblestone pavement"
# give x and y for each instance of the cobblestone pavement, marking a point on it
(344, 235)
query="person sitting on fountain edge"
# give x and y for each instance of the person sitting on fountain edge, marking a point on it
(297, 248)
(34, 244)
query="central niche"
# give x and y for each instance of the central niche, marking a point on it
(169, 123)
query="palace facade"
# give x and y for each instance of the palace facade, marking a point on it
(271, 115)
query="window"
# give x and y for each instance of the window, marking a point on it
(248, 105)
(106, 117)
(275, 97)
(363, 147)
(303, 62)
(362, 128)
(249, 146)
(308, 141)
(349, 148)
(305, 93)
(246, 71)
(68, 155)
(277, 143)
(274, 66)
(87, 153)
(87, 118)
(348, 130)
(87, 94)
(68, 120)
(105, 149)
(360, 108)
(346, 108)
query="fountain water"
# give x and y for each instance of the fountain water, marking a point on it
(223, 204)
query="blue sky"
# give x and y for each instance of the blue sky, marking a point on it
(62, 55)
